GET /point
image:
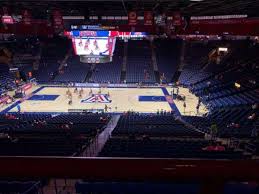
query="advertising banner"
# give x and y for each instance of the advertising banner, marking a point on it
(148, 18)
(57, 20)
(177, 19)
(26, 87)
(132, 18)
(26, 17)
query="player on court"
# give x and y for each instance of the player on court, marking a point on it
(106, 108)
(68, 93)
(96, 98)
(80, 93)
(70, 99)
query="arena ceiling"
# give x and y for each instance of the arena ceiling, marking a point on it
(41, 8)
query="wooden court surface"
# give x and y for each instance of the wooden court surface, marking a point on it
(122, 99)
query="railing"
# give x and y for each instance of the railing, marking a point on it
(192, 113)
(251, 148)
(154, 61)
(97, 85)
(107, 169)
(36, 186)
(125, 57)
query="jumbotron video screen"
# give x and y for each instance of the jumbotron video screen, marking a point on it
(93, 46)
(97, 46)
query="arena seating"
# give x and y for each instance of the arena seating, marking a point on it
(10, 121)
(194, 61)
(153, 125)
(229, 106)
(44, 135)
(46, 69)
(155, 136)
(26, 121)
(188, 77)
(74, 71)
(129, 97)
(53, 52)
(163, 148)
(158, 187)
(139, 64)
(21, 187)
(167, 57)
(42, 147)
(136, 187)
(142, 135)
(6, 79)
(194, 71)
(110, 72)
(230, 122)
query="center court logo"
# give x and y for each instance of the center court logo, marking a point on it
(100, 98)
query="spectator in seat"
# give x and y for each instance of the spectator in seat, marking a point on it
(252, 116)
(219, 147)
(214, 147)
(233, 125)
(145, 137)
(11, 117)
(255, 106)
(213, 130)
(208, 148)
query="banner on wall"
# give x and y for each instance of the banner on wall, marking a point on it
(161, 19)
(4, 10)
(6, 18)
(111, 45)
(57, 20)
(77, 33)
(222, 21)
(26, 17)
(132, 18)
(177, 19)
(218, 17)
(148, 18)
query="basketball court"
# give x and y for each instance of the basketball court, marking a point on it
(51, 99)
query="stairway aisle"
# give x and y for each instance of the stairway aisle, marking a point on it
(97, 144)
(154, 62)
(124, 62)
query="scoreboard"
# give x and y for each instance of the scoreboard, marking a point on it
(92, 27)
(96, 43)
(95, 59)
(101, 46)
(93, 46)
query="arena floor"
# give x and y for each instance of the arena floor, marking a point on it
(144, 100)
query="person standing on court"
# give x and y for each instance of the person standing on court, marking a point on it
(197, 108)
(19, 108)
(184, 106)
(106, 108)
